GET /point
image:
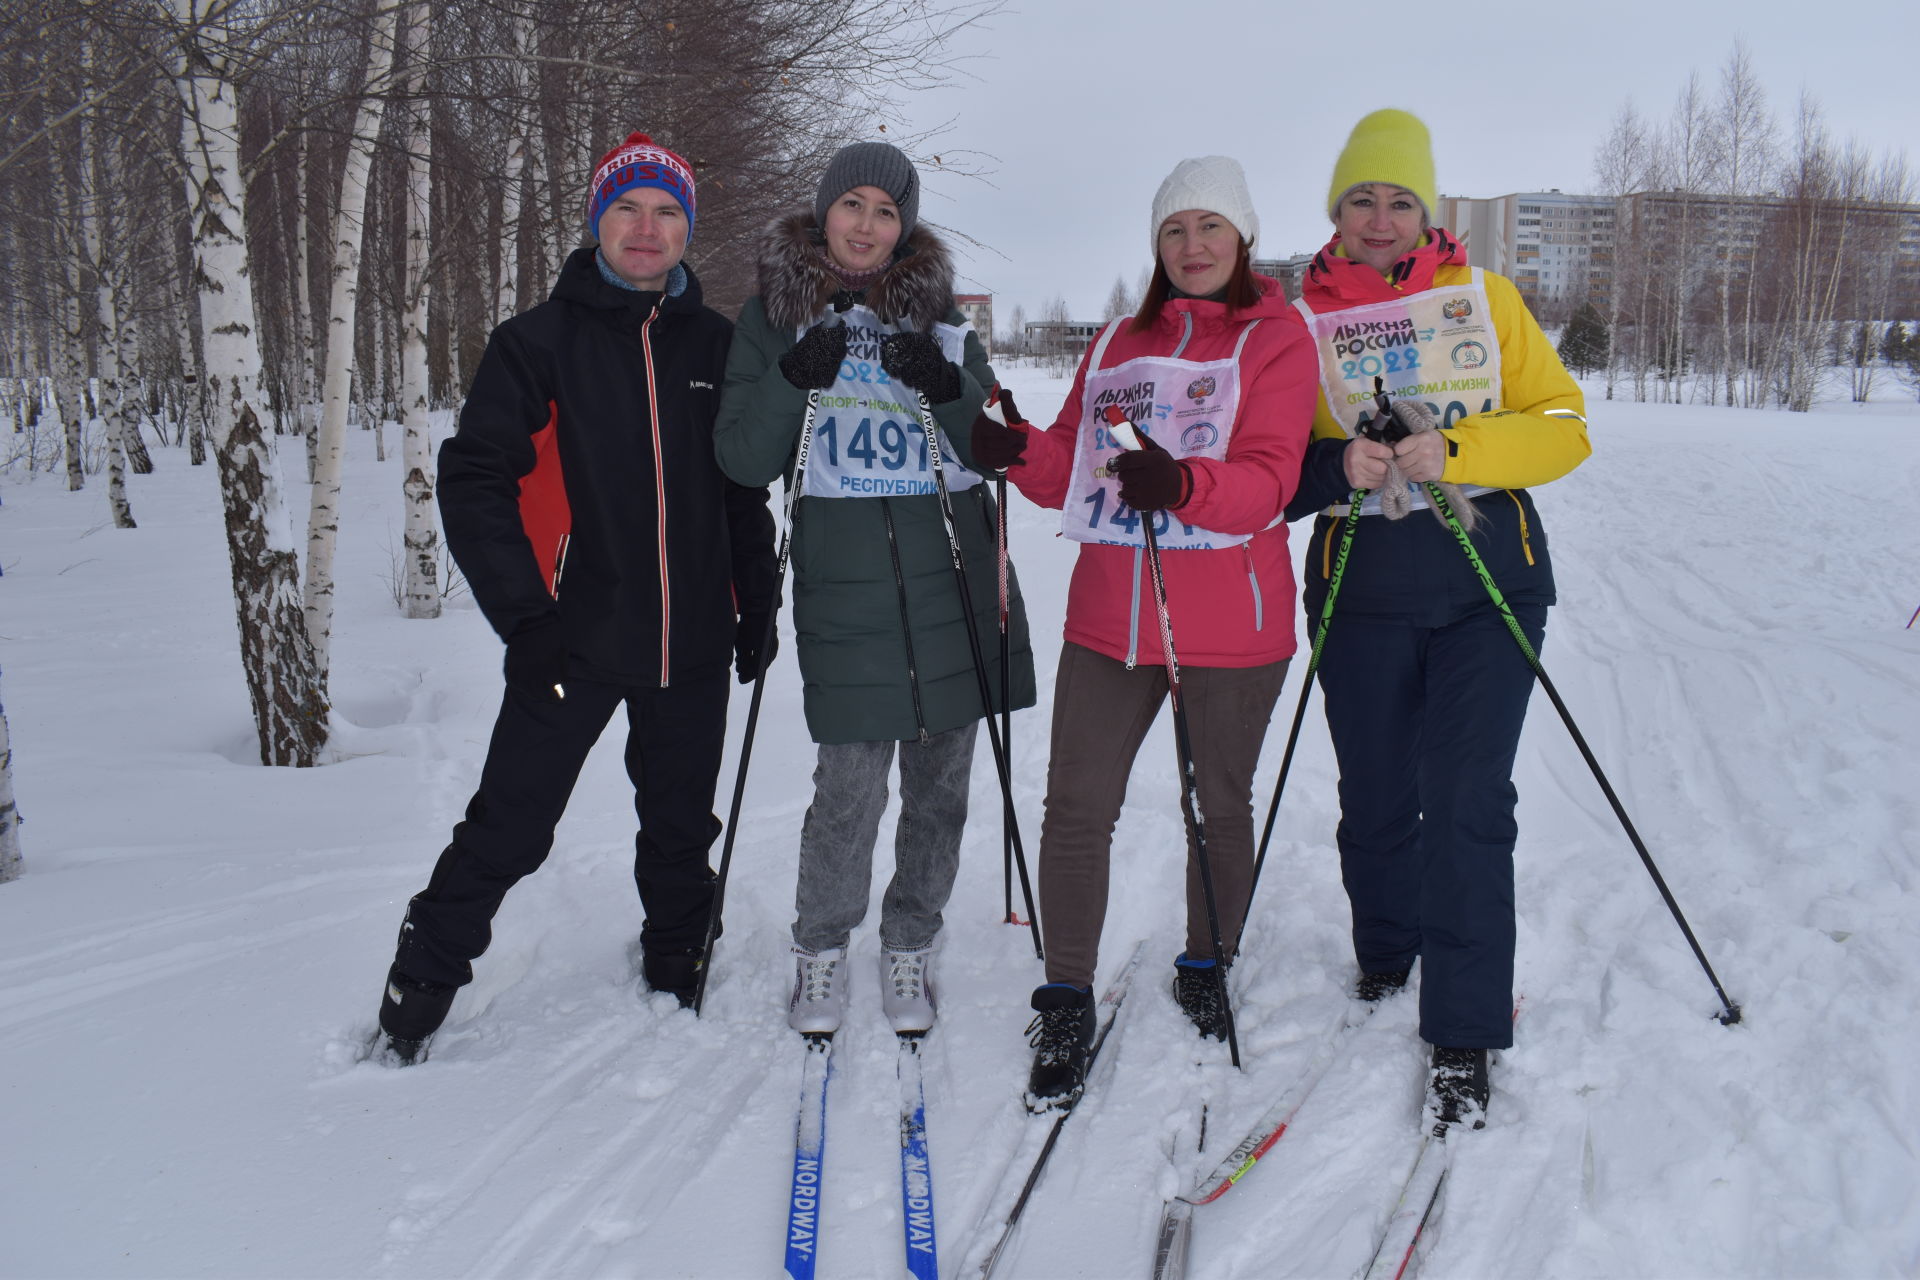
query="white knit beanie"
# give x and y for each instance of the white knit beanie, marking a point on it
(1213, 183)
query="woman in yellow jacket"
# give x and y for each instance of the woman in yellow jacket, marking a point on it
(1425, 687)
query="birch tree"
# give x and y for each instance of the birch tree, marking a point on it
(1746, 136)
(1819, 185)
(506, 293)
(1624, 166)
(323, 517)
(11, 860)
(289, 706)
(96, 187)
(70, 382)
(306, 382)
(1690, 158)
(422, 588)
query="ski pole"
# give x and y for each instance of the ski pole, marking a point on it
(1388, 429)
(1006, 696)
(1351, 522)
(1730, 1012)
(792, 506)
(1000, 408)
(1128, 437)
(1383, 429)
(1916, 614)
(979, 661)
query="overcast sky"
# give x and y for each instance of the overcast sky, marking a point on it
(1080, 108)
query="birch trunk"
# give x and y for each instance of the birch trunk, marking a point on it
(194, 406)
(323, 517)
(70, 385)
(506, 296)
(11, 860)
(96, 178)
(133, 386)
(369, 387)
(422, 538)
(303, 336)
(289, 707)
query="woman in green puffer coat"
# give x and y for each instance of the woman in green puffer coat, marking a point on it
(856, 302)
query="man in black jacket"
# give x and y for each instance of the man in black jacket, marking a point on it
(582, 502)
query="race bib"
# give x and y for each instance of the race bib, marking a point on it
(1438, 347)
(1187, 406)
(868, 441)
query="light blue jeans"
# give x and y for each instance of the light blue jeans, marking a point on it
(843, 822)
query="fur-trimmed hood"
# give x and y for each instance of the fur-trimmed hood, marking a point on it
(796, 285)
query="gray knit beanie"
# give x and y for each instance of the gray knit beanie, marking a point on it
(871, 164)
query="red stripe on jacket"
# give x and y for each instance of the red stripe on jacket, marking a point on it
(544, 511)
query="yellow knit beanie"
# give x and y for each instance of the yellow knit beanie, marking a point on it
(1386, 146)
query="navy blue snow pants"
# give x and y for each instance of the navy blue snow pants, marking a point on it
(674, 740)
(1425, 724)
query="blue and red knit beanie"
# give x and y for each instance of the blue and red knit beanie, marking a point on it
(639, 162)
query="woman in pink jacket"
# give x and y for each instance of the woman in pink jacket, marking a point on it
(1217, 373)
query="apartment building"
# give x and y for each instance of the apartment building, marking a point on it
(978, 309)
(1290, 272)
(1561, 250)
(1556, 248)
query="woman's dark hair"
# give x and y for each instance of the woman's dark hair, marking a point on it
(1243, 290)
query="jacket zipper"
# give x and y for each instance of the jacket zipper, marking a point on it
(1253, 579)
(1133, 614)
(659, 497)
(559, 563)
(906, 622)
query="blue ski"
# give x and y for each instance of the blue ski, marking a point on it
(916, 1170)
(809, 1150)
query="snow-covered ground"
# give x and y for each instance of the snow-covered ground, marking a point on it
(190, 967)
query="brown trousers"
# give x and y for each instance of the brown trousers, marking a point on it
(1101, 714)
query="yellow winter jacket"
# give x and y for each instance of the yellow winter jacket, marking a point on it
(1539, 434)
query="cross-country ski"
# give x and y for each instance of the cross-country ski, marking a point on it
(563, 582)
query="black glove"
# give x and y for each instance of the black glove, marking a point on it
(997, 447)
(536, 662)
(813, 363)
(916, 360)
(1150, 477)
(748, 661)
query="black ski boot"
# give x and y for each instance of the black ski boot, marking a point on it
(410, 1012)
(1061, 1034)
(1375, 987)
(675, 972)
(1457, 1091)
(1197, 988)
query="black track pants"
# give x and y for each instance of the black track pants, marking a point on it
(674, 739)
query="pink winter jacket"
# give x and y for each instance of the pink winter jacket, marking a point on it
(1233, 607)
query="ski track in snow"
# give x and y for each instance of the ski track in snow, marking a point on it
(188, 970)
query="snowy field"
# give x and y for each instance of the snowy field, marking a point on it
(190, 967)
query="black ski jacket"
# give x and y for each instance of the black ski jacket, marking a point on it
(581, 484)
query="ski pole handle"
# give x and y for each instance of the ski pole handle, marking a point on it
(1383, 427)
(1122, 430)
(1000, 407)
